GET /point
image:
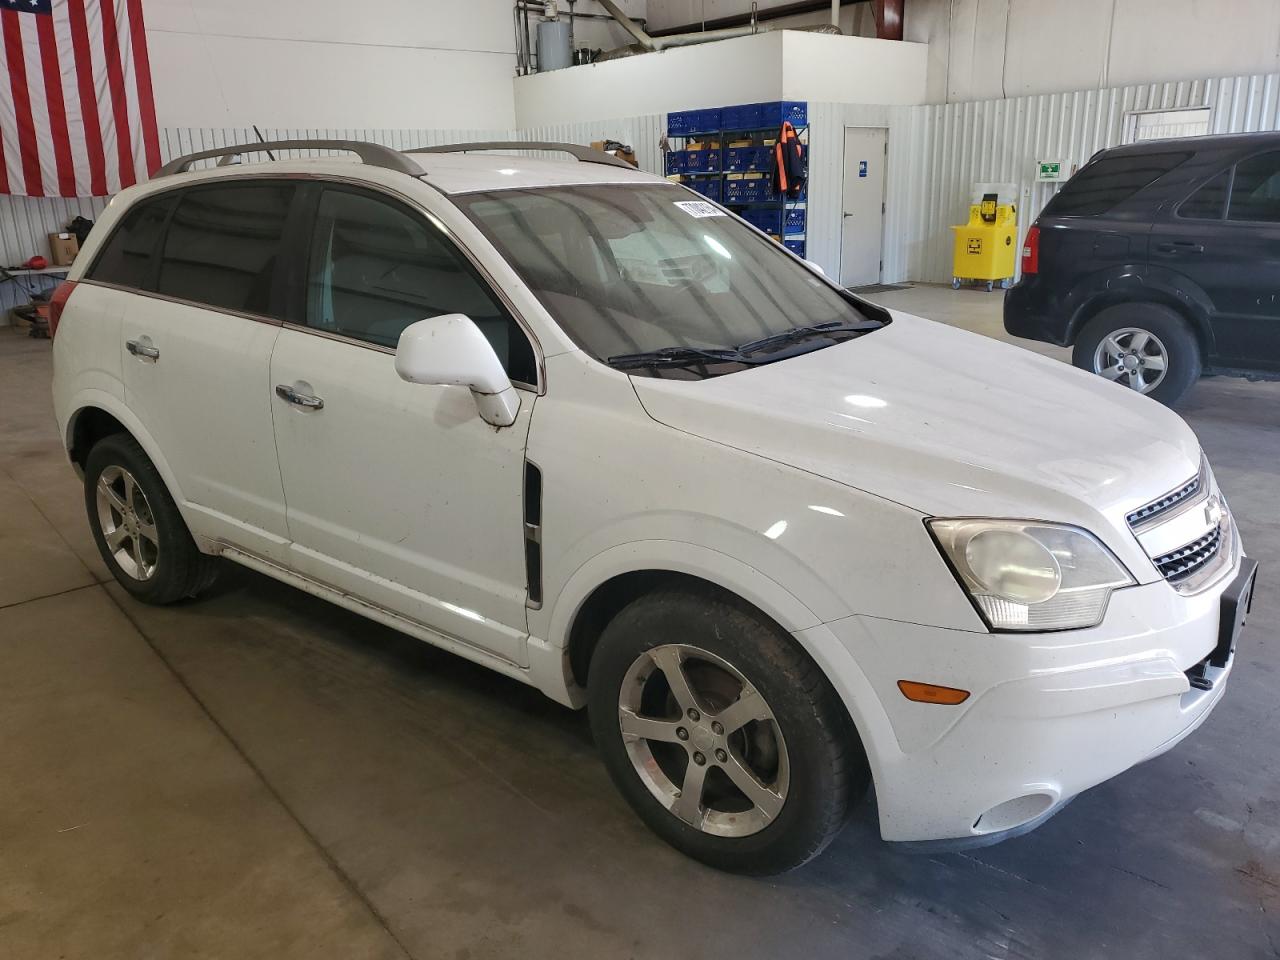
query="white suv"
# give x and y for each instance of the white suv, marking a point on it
(580, 425)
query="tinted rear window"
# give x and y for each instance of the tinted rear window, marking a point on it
(126, 259)
(223, 243)
(1104, 183)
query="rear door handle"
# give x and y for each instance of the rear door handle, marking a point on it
(143, 351)
(299, 399)
(1180, 246)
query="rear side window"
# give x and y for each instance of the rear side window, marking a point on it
(1104, 183)
(1255, 192)
(127, 258)
(1208, 202)
(223, 244)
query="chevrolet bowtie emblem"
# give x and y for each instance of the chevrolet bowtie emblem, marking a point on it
(1213, 511)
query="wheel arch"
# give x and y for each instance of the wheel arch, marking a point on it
(1187, 304)
(96, 415)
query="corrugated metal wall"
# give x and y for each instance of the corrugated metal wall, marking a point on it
(936, 154)
(950, 147)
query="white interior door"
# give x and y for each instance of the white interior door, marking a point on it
(862, 226)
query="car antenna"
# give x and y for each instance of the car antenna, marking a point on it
(262, 139)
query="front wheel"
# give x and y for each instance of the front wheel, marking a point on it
(724, 737)
(1145, 347)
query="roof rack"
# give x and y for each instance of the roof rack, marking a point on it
(577, 150)
(374, 154)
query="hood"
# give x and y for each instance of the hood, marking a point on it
(946, 422)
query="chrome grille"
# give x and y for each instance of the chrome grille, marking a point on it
(1178, 565)
(1147, 513)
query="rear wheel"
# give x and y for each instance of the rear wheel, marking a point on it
(1144, 347)
(724, 737)
(137, 526)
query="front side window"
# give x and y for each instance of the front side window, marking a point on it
(375, 268)
(128, 256)
(1108, 181)
(629, 270)
(1255, 192)
(223, 245)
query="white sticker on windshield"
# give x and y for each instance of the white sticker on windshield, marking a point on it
(699, 208)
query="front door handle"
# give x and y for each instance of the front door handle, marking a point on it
(1180, 246)
(143, 351)
(299, 399)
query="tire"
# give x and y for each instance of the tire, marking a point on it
(153, 556)
(806, 753)
(1168, 335)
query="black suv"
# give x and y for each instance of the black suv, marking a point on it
(1158, 260)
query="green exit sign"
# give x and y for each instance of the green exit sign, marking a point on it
(1050, 170)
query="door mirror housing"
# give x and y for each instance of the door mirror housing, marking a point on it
(816, 268)
(451, 350)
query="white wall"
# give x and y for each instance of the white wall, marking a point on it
(305, 63)
(768, 66)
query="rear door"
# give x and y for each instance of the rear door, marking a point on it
(1225, 239)
(197, 352)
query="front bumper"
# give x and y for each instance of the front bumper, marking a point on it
(1050, 715)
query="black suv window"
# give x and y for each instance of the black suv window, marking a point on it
(375, 268)
(1208, 202)
(126, 259)
(1255, 192)
(223, 243)
(1106, 182)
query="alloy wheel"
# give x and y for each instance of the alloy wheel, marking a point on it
(127, 523)
(1133, 357)
(703, 740)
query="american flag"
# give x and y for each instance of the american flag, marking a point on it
(77, 116)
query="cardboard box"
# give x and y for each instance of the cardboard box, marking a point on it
(63, 248)
(627, 155)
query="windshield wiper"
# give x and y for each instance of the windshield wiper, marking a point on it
(676, 357)
(811, 330)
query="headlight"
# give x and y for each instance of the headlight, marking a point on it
(1024, 575)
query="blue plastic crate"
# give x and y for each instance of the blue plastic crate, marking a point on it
(768, 219)
(675, 162)
(702, 161)
(795, 220)
(765, 116)
(709, 187)
(748, 191)
(795, 246)
(748, 158)
(682, 123)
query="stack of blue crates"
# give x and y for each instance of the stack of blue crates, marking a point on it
(711, 171)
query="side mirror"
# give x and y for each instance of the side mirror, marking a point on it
(451, 350)
(816, 268)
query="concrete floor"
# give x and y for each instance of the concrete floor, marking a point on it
(260, 774)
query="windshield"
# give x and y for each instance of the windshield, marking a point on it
(633, 271)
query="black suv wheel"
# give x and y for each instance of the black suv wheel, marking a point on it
(1145, 347)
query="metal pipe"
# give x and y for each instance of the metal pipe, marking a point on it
(835, 13)
(640, 36)
(678, 40)
(740, 19)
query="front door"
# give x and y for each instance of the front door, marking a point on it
(1225, 239)
(862, 229)
(399, 493)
